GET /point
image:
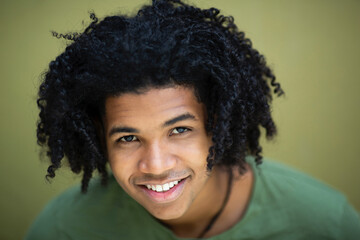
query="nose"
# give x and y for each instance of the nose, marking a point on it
(156, 159)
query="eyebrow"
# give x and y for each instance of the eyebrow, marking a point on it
(122, 129)
(182, 117)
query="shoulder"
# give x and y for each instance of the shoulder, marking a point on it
(99, 213)
(301, 202)
(289, 182)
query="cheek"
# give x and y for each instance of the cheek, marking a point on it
(122, 165)
(195, 150)
(121, 155)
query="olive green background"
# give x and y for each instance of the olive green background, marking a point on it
(312, 46)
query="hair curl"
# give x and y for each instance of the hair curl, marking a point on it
(168, 42)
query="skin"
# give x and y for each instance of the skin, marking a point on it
(159, 136)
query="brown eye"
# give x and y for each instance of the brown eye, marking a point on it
(129, 138)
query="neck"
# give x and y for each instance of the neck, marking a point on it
(193, 223)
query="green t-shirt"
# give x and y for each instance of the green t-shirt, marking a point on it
(285, 204)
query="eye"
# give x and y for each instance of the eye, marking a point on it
(129, 138)
(179, 130)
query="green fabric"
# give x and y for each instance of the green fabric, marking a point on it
(285, 204)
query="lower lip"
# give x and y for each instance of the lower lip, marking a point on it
(168, 196)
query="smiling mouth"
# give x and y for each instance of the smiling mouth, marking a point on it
(164, 187)
(164, 193)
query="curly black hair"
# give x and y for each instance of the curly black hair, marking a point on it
(166, 43)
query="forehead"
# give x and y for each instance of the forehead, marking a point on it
(152, 106)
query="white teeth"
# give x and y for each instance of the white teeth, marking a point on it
(162, 188)
(158, 188)
(166, 187)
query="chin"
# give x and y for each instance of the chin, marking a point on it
(166, 213)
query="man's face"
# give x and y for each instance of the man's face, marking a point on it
(157, 140)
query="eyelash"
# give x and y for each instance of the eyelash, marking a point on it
(134, 138)
(185, 129)
(122, 139)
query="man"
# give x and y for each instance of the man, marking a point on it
(173, 99)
